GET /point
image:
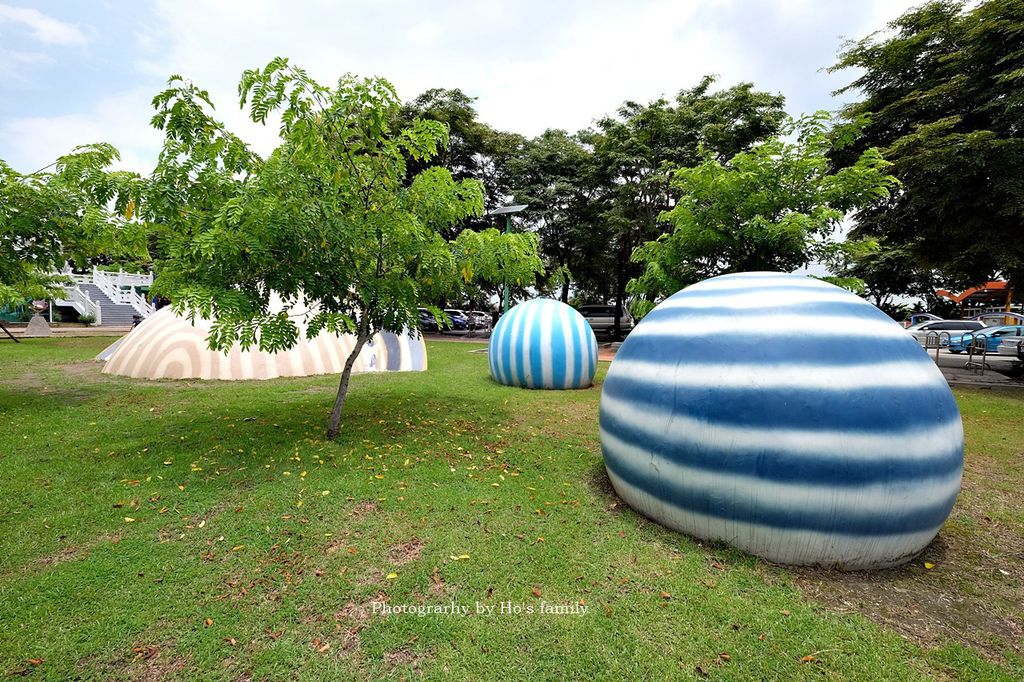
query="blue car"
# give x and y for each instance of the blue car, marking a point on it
(993, 337)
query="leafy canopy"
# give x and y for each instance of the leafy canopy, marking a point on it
(329, 217)
(944, 93)
(72, 210)
(775, 207)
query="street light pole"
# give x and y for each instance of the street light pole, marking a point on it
(507, 211)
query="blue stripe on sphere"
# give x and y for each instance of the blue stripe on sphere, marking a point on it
(868, 409)
(855, 522)
(786, 416)
(773, 463)
(543, 343)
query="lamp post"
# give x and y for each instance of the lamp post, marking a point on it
(507, 211)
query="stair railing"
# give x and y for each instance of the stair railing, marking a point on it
(119, 287)
(80, 301)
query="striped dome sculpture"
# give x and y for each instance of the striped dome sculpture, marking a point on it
(543, 343)
(787, 417)
(169, 346)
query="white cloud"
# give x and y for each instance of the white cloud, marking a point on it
(425, 34)
(44, 28)
(533, 64)
(122, 120)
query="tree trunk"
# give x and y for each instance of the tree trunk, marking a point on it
(334, 424)
(8, 332)
(565, 290)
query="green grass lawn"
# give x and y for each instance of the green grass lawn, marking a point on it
(170, 530)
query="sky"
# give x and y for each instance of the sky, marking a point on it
(75, 72)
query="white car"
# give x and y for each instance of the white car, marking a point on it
(602, 318)
(1011, 345)
(943, 329)
(479, 320)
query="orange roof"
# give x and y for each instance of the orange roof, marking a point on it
(987, 287)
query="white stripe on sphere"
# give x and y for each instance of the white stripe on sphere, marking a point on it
(543, 343)
(794, 375)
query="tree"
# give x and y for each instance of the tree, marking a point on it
(475, 150)
(887, 273)
(72, 210)
(557, 177)
(944, 96)
(329, 217)
(639, 148)
(775, 207)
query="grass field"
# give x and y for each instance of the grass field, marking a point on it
(177, 530)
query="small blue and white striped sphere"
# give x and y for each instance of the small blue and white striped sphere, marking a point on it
(787, 417)
(543, 343)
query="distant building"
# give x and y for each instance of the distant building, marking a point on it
(989, 298)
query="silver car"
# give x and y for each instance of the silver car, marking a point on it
(479, 320)
(602, 318)
(921, 330)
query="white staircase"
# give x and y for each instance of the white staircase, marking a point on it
(111, 297)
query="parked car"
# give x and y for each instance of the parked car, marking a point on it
(1012, 345)
(479, 320)
(427, 321)
(918, 318)
(459, 321)
(993, 337)
(602, 318)
(921, 330)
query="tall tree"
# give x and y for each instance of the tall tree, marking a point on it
(944, 96)
(775, 207)
(475, 150)
(638, 149)
(888, 273)
(72, 210)
(329, 218)
(557, 177)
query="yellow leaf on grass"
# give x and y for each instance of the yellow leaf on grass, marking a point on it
(392, 576)
(929, 565)
(129, 519)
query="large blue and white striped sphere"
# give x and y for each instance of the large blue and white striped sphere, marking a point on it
(787, 417)
(543, 343)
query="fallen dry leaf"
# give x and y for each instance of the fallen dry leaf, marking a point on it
(536, 591)
(724, 656)
(665, 595)
(208, 622)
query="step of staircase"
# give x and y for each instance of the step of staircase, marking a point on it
(113, 313)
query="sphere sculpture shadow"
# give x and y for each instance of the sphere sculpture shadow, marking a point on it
(787, 417)
(543, 343)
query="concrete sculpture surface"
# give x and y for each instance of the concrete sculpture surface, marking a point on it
(787, 417)
(169, 346)
(543, 343)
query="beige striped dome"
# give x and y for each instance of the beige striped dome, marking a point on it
(169, 346)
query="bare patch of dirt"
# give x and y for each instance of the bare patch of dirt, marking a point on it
(64, 554)
(406, 658)
(351, 619)
(973, 592)
(364, 508)
(89, 369)
(144, 663)
(74, 553)
(403, 553)
(159, 668)
(28, 381)
(437, 583)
